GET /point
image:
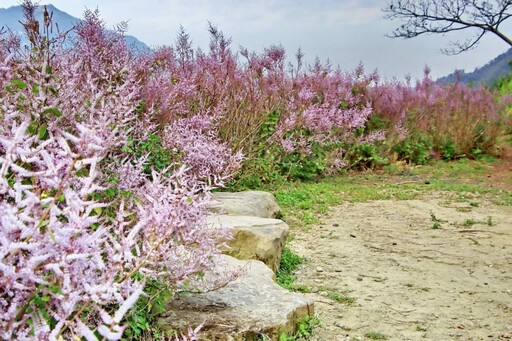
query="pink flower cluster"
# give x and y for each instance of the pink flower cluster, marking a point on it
(68, 251)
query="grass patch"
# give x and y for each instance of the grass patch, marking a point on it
(469, 222)
(289, 263)
(340, 298)
(304, 329)
(375, 336)
(304, 203)
(490, 221)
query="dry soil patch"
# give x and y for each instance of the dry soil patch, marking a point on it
(407, 280)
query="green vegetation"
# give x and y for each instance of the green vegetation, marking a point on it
(141, 319)
(305, 328)
(289, 263)
(469, 222)
(341, 298)
(375, 336)
(490, 222)
(304, 202)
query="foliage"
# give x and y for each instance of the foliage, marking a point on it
(415, 149)
(107, 161)
(80, 215)
(375, 336)
(305, 329)
(363, 156)
(431, 120)
(289, 263)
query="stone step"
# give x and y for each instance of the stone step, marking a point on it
(248, 203)
(254, 238)
(249, 308)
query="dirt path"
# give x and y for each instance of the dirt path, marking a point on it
(381, 267)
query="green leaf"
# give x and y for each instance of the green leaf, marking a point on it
(19, 84)
(42, 226)
(53, 111)
(32, 128)
(43, 132)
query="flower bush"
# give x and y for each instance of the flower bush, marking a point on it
(107, 159)
(430, 120)
(83, 226)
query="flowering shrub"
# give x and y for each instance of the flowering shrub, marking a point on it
(82, 224)
(433, 120)
(107, 160)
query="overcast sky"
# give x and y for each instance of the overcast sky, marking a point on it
(345, 31)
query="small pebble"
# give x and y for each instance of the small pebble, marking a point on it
(341, 325)
(338, 270)
(319, 269)
(314, 290)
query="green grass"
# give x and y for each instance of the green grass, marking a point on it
(340, 298)
(304, 329)
(289, 263)
(304, 203)
(375, 336)
(469, 222)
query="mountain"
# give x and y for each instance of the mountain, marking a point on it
(488, 74)
(11, 17)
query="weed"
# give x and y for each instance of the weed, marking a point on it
(504, 198)
(305, 329)
(301, 288)
(289, 263)
(141, 319)
(469, 222)
(375, 336)
(415, 149)
(340, 298)
(436, 226)
(490, 221)
(435, 219)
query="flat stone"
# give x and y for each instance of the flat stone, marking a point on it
(248, 203)
(247, 308)
(254, 238)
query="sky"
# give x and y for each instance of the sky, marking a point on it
(346, 32)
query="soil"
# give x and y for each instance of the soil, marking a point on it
(439, 268)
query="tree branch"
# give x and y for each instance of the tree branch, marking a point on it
(445, 16)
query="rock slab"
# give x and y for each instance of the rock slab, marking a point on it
(249, 203)
(249, 308)
(254, 238)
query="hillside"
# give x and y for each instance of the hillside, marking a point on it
(487, 74)
(10, 18)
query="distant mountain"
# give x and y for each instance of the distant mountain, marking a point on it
(488, 74)
(11, 17)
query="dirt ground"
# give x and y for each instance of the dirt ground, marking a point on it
(439, 268)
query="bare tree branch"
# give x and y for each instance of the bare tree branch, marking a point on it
(445, 16)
